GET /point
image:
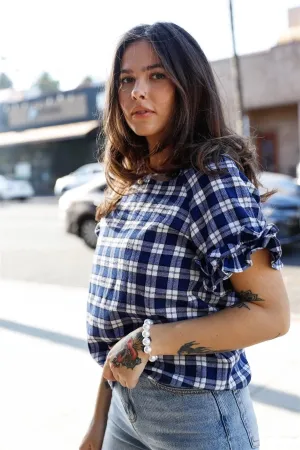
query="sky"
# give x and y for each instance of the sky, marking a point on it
(72, 39)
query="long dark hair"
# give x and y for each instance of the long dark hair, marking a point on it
(198, 133)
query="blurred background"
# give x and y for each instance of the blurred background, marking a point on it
(54, 62)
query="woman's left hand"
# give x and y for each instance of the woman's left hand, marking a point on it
(126, 360)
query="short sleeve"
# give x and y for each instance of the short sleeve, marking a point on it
(227, 225)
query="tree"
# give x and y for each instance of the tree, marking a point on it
(46, 84)
(5, 82)
(86, 82)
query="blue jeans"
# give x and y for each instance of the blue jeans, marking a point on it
(153, 416)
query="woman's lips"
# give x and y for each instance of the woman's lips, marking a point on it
(142, 114)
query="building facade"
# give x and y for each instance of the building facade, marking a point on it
(47, 137)
(271, 97)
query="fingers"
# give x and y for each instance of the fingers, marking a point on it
(123, 382)
(128, 384)
(131, 385)
(108, 374)
(119, 379)
(116, 375)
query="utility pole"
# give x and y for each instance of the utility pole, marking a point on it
(241, 119)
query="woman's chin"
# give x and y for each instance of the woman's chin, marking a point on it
(142, 132)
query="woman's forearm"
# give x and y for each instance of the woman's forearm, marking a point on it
(103, 402)
(241, 326)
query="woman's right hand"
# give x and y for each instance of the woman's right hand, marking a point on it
(94, 437)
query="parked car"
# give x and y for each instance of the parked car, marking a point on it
(78, 207)
(284, 212)
(284, 184)
(12, 188)
(77, 178)
(283, 208)
(298, 174)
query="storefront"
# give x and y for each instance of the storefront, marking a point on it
(44, 138)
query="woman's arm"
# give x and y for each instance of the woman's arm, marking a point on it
(94, 436)
(262, 314)
(103, 402)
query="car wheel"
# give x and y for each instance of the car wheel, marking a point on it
(87, 232)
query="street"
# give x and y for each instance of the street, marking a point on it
(35, 247)
(48, 380)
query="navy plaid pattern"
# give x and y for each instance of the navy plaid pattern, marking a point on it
(167, 253)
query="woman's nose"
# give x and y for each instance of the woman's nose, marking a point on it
(139, 91)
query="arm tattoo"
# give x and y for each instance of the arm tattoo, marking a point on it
(128, 356)
(246, 297)
(189, 349)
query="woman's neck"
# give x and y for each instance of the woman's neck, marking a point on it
(158, 161)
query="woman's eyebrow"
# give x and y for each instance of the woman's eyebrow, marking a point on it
(144, 69)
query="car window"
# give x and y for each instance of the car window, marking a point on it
(14, 178)
(99, 189)
(94, 168)
(81, 170)
(278, 181)
(88, 169)
(3, 181)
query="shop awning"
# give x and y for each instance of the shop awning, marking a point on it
(56, 133)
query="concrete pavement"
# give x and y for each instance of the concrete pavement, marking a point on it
(49, 381)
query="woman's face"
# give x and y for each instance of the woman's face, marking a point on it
(146, 93)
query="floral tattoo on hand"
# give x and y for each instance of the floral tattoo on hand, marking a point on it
(128, 356)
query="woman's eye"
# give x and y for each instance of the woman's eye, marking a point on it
(126, 80)
(158, 76)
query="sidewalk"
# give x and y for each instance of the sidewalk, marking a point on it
(49, 381)
(275, 389)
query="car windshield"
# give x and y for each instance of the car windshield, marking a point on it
(12, 178)
(88, 169)
(283, 183)
(95, 184)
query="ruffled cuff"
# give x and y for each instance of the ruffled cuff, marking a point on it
(219, 264)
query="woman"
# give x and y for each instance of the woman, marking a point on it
(183, 243)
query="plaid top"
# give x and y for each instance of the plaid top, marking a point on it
(167, 253)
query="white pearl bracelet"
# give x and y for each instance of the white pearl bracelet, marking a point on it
(147, 339)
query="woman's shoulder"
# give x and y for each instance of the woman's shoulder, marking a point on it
(225, 166)
(223, 175)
